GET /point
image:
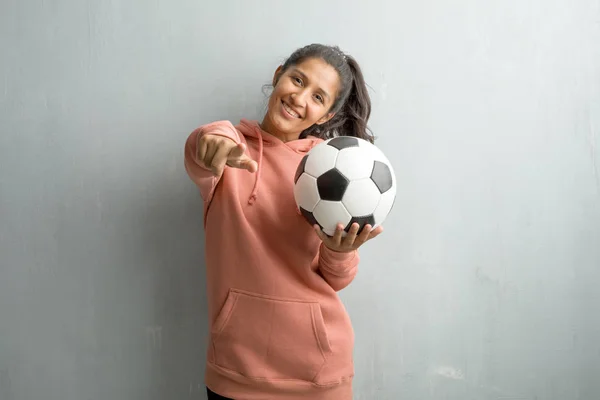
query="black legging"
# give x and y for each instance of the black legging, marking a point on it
(213, 396)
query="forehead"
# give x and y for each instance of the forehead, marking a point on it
(320, 73)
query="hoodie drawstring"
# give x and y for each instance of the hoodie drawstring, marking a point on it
(254, 194)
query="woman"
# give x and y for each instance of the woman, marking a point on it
(278, 328)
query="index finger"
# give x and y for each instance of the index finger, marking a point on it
(237, 151)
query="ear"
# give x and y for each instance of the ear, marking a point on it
(325, 118)
(277, 75)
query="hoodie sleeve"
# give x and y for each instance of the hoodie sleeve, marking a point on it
(338, 269)
(201, 176)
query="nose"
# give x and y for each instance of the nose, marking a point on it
(299, 98)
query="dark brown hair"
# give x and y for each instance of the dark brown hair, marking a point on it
(352, 105)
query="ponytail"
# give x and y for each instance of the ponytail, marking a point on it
(356, 110)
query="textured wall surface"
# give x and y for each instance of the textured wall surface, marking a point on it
(484, 285)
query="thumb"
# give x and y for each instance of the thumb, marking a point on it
(320, 233)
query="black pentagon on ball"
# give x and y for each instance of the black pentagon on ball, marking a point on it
(362, 221)
(381, 176)
(300, 169)
(343, 142)
(332, 185)
(310, 218)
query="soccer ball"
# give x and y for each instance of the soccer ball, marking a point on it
(344, 180)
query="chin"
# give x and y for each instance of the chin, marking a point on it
(282, 124)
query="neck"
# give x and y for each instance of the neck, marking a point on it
(268, 127)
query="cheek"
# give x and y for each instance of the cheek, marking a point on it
(274, 100)
(314, 112)
(277, 94)
(283, 86)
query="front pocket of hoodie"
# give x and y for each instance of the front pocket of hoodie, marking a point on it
(269, 338)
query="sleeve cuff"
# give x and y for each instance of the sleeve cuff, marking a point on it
(222, 128)
(335, 261)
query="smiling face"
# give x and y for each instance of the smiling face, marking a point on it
(302, 96)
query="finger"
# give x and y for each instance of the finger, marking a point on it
(337, 235)
(239, 159)
(364, 235)
(201, 151)
(351, 236)
(375, 232)
(210, 154)
(244, 162)
(237, 151)
(219, 160)
(249, 164)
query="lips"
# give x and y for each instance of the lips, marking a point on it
(289, 110)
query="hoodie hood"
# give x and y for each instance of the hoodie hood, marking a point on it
(251, 129)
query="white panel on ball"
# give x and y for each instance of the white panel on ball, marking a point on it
(354, 163)
(306, 192)
(361, 197)
(330, 213)
(322, 159)
(386, 201)
(375, 154)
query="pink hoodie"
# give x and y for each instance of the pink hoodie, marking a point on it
(278, 329)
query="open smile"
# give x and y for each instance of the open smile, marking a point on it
(289, 111)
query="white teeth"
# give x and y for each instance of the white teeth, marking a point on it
(289, 110)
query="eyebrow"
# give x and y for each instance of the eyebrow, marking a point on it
(306, 78)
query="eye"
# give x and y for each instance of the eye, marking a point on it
(297, 80)
(319, 98)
